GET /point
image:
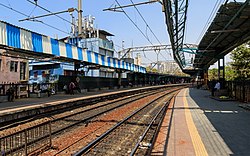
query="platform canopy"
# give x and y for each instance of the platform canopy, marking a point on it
(229, 29)
(20, 42)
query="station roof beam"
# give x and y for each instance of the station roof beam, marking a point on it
(229, 29)
(176, 14)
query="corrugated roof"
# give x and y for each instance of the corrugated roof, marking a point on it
(104, 32)
(229, 29)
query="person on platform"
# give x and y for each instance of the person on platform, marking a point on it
(11, 93)
(216, 87)
(71, 88)
(65, 89)
(45, 89)
(77, 87)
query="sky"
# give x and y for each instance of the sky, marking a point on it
(116, 23)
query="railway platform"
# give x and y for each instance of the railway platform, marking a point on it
(195, 123)
(198, 125)
(30, 107)
(25, 102)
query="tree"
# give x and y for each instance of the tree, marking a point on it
(241, 61)
(212, 74)
(229, 72)
(149, 69)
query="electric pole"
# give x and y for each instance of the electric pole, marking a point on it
(79, 17)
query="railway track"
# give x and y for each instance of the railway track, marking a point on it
(60, 123)
(71, 106)
(68, 113)
(86, 115)
(134, 134)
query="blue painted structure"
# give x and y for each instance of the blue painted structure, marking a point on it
(13, 36)
(52, 71)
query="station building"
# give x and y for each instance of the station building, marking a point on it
(13, 69)
(95, 40)
(49, 71)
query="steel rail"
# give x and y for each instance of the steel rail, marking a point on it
(20, 147)
(137, 98)
(98, 114)
(30, 118)
(140, 94)
(97, 140)
(149, 126)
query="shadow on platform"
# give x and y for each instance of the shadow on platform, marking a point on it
(228, 119)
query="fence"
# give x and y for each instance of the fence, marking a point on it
(26, 141)
(90, 82)
(25, 89)
(239, 90)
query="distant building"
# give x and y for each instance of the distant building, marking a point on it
(92, 39)
(168, 67)
(137, 60)
(96, 41)
(13, 69)
(49, 71)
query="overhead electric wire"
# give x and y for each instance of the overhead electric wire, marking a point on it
(54, 27)
(145, 22)
(133, 22)
(8, 7)
(52, 13)
(33, 20)
(146, 57)
(8, 3)
(118, 46)
(215, 8)
(208, 20)
(135, 25)
(32, 11)
(148, 26)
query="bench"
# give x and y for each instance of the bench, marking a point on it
(22, 91)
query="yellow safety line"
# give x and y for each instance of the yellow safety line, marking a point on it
(198, 145)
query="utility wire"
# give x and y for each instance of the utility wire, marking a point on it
(112, 5)
(148, 26)
(13, 9)
(52, 13)
(215, 8)
(208, 20)
(54, 27)
(135, 25)
(33, 20)
(145, 22)
(147, 58)
(133, 22)
(8, 3)
(32, 11)
(118, 46)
